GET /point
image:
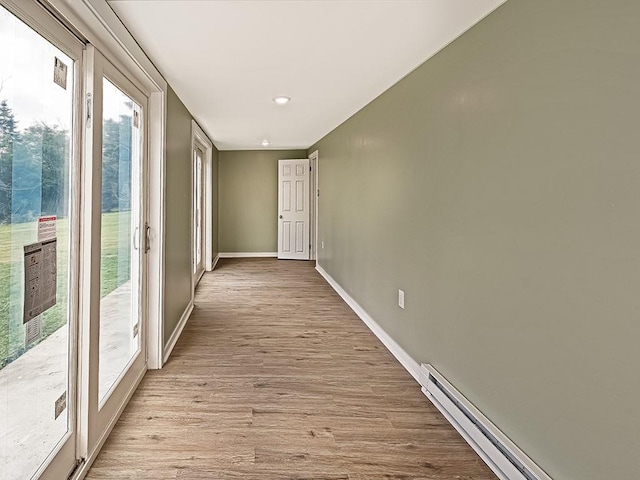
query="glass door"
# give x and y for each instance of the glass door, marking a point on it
(198, 214)
(119, 242)
(120, 235)
(40, 65)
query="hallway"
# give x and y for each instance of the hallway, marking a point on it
(274, 377)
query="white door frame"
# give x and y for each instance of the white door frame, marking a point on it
(98, 417)
(199, 139)
(198, 266)
(314, 193)
(155, 258)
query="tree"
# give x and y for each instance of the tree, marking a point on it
(33, 169)
(9, 137)
(40, 173)
(116, 164)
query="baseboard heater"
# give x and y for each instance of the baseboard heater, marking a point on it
(506, 460)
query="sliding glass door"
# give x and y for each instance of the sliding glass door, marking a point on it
(116, 243)
(198, 178)
(39, 134)
(72, 300)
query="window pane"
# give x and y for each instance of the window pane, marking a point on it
(119, 341)
(35, 146)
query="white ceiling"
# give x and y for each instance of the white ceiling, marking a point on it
(226, 60)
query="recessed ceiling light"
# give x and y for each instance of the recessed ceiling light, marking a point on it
(265, 143)
(281, 100)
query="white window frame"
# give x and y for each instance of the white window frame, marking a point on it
(32, 14)
(199, 139)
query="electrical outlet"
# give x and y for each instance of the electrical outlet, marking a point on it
(401, 298)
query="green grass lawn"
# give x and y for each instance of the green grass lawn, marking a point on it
(115, 262)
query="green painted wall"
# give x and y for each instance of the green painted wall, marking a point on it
(248, 194)
(499, 186)
(177, 281)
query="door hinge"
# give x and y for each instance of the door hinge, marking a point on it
(309, 168)
(318, 193)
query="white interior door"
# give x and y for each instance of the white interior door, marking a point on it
(293, 209)
(115, 243)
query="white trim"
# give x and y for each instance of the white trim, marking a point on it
(396, 350)
(313, 204)
(177, 332)
(208, 209)
(84, 469)
(200, 141)
(156, 256)
(247, 254)
(196, 281)
(470, 423)
(486, 449)
(97, 21)
(215, 262)
(89, 295)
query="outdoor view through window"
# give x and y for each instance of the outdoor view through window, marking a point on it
(35, 165)
(38, 244)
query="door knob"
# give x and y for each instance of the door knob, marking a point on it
(280, 216)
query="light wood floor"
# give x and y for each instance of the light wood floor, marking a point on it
(275, 377)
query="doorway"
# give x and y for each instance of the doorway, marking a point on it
(198, 214)
(202, 203)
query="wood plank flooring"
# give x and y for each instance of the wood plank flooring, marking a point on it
(275, 377)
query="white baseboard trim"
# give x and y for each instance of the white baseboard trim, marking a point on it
(84, 468)
(215, 262)
(396, 350)
(506, 460)
(500, 454)
(177, 332)
(247, 254)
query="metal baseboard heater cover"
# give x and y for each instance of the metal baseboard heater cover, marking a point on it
(506, 460)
